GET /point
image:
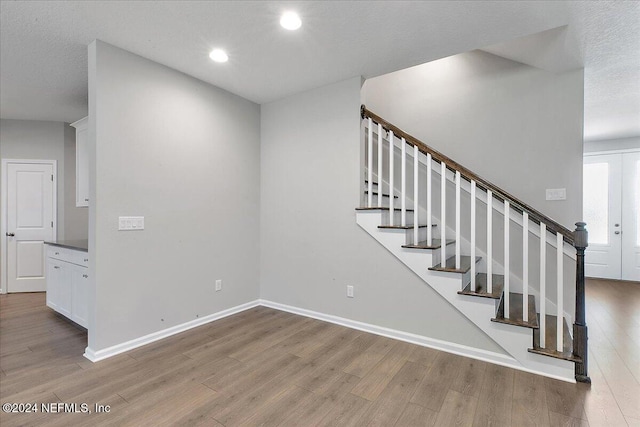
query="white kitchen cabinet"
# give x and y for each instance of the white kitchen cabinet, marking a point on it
(79, 294)
(58, 286)
(53, 283)
(67, 283)
(82, 162)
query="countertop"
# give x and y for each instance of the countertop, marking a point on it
(80, 245)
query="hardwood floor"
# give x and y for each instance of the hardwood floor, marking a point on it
(266, 367)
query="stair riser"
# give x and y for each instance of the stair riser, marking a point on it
(397, 217)
(450, 251)
(374, 201)
(422, 235)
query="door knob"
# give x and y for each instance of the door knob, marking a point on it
(10, 234)
(616, 232)
(616, 225)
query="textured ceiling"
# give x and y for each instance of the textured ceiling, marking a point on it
(43, 53)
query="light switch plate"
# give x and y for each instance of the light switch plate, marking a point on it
(556, 194)
(129, 223)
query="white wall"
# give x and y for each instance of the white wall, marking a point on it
(186, 156)
(31, 139)
(311, 246)
(517, 126)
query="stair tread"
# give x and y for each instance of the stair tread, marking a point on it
(515, 311)
(450, 265)
(550, 341)
(375, 193)
(481, 287)
(435, 244)
(401, 227)
(373, 208)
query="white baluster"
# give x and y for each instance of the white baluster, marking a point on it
(429, 160)
(443, 213)
(525, 266)
(379, 165)
(391, 146)
(458, 221)
(560, 280)
(507, 211)
(543, 285)
(416, 170)
(370, 166)
(489, 241)
(403, 181)
(473, 235)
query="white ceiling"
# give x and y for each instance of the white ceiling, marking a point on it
(43, 46)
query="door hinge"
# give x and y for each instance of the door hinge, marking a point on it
(51, 177)
(51, 224)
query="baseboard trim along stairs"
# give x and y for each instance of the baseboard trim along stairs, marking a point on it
(449, 347)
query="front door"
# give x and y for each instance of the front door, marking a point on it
(30, 219)
(611, 210)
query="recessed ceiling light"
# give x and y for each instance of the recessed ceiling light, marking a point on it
(218, 55)
(290, 21)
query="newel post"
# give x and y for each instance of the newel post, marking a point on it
(580, 324)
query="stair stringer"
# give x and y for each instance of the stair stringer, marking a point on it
(515, 340)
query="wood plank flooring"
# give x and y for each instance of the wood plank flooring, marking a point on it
(266, 367)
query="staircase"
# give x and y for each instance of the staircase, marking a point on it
(520, 305)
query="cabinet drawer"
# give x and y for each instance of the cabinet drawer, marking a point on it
(80, 258)
(68, 255)
(57, 252)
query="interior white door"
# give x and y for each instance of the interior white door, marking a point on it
(30, 221)
(630, 226)
(602, 201)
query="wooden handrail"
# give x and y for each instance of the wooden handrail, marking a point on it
(498, 193)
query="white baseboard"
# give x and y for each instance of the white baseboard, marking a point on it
(96, 356)
(448, 347)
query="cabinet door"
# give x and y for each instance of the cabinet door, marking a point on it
(79, 295)
(53, 283)
(63, 288)
(82, 163)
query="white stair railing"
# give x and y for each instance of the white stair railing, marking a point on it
(543, 285)
(473, 236)
(560, 289)
(391, 187)
(489, 242)
(416, 193)
(517, 211)
(507, 269)
(458, 254)
(403, 180)
(380, 175)
(429, 231)
(443, 213)
(370, 167)
(525, 266)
